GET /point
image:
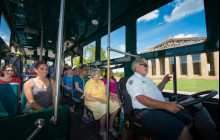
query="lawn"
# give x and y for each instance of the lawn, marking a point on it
(194, 85)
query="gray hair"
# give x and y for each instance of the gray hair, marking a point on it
(137, 62)
(93, 71)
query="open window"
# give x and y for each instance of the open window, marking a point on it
(177, 24)
(117, 42)
(5, 32)
(89, 53)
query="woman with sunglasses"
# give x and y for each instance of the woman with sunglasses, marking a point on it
(8, 75)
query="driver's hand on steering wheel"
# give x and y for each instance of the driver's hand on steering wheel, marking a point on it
(172, 107)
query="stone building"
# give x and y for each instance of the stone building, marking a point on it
(198, 66)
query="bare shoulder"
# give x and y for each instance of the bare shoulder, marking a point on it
(28, 84)
(52, 81)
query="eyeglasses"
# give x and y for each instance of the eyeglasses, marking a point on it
(9, 70)
(144, 65)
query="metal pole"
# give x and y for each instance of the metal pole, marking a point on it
(41, 46)
(174, 79)
(108, 67)
(58, 68)
(136, 56)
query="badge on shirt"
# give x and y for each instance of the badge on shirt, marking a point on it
(131, 82)
(143, 82)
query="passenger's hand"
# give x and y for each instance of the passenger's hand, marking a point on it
(102, 101)
(69, 88)
(112, 99)
(172, 107)
(167, 78)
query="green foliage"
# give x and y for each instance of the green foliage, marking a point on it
(119, 74)
(76, 62)
(194, 85)
(103, 55)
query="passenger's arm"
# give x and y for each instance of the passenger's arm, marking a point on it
(28, 91)
(63, 85)
(53, 94)
(169, 106)
(90, 98)
(77, 87)
(162, 85)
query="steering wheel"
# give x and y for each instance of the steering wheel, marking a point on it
(194, 99)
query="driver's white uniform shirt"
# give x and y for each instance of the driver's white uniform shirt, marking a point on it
(139, 85)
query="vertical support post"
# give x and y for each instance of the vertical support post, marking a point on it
(175, 77)
(41, 46)
(131, 44)
(59, 56)
(108, 67)
(46, 56)
(98, 50)
(71, 60)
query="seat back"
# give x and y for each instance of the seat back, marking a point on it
(23, 101)
(125, 97)
(9, 99)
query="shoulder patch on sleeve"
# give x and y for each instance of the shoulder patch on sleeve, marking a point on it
(131, 82)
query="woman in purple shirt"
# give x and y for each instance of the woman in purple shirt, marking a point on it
(113, 90)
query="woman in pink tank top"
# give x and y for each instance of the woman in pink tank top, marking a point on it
(113, 90)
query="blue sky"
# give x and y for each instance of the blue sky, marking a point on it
(5, 32)
(178, 19)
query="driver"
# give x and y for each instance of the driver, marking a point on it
(149, 104)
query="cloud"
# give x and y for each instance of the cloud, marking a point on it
(184, 9)
(122, 48)
(150, 16)
(185, 35)
(7, 43)
(4, 37)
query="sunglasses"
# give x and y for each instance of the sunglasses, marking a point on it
(145, 65)
(9, 70)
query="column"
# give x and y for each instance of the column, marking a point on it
(204, 65)
(178, 67)
(157, 67)
(216, 63)
(150, 73)
(190, 71)
(167, 66)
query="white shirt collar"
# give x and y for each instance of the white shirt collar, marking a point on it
(139, 76)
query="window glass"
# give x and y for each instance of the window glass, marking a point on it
(5, 32)
(117, 42)
(89, 53)
(49, 63)
(118, 73)
(2, 63)
(198, 72)
(177, 24)
(158, 68)
(76, 62)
